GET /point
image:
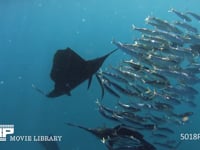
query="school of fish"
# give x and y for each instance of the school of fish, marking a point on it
(159, 75)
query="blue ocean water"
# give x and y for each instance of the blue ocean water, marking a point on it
(31, 32)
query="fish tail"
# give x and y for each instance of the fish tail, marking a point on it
(113, 51)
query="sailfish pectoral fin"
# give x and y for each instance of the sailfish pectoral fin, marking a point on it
(54, 93)
(101, 84)
(89, 82)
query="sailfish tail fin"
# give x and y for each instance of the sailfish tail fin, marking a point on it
(112, 51)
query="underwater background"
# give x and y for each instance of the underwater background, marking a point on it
(31, 32)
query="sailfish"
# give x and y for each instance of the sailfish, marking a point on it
(69, 70)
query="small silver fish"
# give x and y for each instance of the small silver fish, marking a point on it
(181, 15)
